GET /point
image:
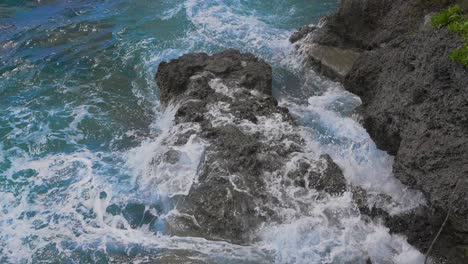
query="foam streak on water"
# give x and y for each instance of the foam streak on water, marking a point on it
(84, 173)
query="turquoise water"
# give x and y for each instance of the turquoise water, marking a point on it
(78, 100)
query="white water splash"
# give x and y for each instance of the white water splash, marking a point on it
(348, 143)
(35, 218)
(217, 23)
(163, 168)
(170, 13)
(333, 232)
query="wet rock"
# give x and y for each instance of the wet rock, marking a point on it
(137, 215)
(223, 211)
(301, 33)
(420, 227)
(249, 138)
(172, 156)
(183, 224)
(331, 180)
(173, 77)
(414, 106)
(328, 177)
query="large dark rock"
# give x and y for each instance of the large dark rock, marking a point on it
(414, 106)
(249, 139)
(230, 65)
(369, 24)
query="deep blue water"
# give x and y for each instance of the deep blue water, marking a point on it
(78, 105)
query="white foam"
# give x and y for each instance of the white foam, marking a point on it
(79, 114)
(348, 143)
(219, 115)
(79, 218)
(218, 24)
(333, 232)
(170, 13)
(159, 177)
(217, 85)
(51, 218)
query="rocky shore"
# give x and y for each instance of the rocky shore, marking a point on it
(414, 105)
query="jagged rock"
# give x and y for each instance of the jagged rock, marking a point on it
(228, 97)
(301, 33)
(417, 225)
(173, 77)
(414, 106)
(329, 178)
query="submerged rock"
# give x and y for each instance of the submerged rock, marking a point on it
(251, 145)
(414, 106)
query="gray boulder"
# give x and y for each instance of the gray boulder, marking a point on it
(249, 138)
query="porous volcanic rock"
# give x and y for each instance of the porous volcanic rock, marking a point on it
(227, 98)
(415, 106)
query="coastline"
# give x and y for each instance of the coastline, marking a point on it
(413, 106)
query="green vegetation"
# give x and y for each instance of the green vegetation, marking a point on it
(455, 20)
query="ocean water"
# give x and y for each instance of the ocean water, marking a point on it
(80, 120)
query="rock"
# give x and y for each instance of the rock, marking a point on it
(136, 214)
(332, 62)
(172, 78)
(427, 24)
(328, 177)
(463, 3)
(414, 107)
(227, 100)
(420, 225)
(301, 33)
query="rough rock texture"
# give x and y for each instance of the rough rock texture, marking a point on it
(414, 106)
(250, 140)
(247, 70)
(301, 33)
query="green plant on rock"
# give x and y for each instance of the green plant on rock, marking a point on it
(455, 20)
(450, 15)
(460, 55)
